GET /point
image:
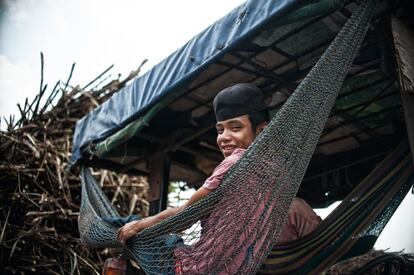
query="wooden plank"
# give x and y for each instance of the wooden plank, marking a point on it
(404, 55)
(408, 106)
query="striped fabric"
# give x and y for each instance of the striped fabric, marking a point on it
(353, 227)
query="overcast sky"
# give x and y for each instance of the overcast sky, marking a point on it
(94, 34)
(98, 33)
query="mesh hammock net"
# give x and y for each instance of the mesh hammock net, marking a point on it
(243, 217)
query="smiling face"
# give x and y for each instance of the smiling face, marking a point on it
(234, 133)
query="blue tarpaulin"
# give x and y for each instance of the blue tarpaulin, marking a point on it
(176, 70)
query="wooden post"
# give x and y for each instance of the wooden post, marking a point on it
(404, 55)
(159, 181)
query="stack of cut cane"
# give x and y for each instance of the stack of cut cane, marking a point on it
(39, 198)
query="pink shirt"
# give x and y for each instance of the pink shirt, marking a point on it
(301, 218)
(217, 177)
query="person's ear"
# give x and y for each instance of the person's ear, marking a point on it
(261, 127)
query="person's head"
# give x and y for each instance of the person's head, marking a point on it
(241, 114)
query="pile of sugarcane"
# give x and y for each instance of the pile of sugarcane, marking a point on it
(39, 197)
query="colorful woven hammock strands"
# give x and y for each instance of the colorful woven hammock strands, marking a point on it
(354, 226)
(244, 216)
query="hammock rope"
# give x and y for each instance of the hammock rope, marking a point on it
(246, 213)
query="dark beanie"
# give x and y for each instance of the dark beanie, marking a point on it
(237, 100)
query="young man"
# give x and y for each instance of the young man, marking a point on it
(241, 115)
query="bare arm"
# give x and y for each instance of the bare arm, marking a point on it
(132, 228)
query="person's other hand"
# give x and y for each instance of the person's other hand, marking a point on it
(130, 229)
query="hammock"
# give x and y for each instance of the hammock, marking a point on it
(350, 230)
(354, 226)
(245, 215)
